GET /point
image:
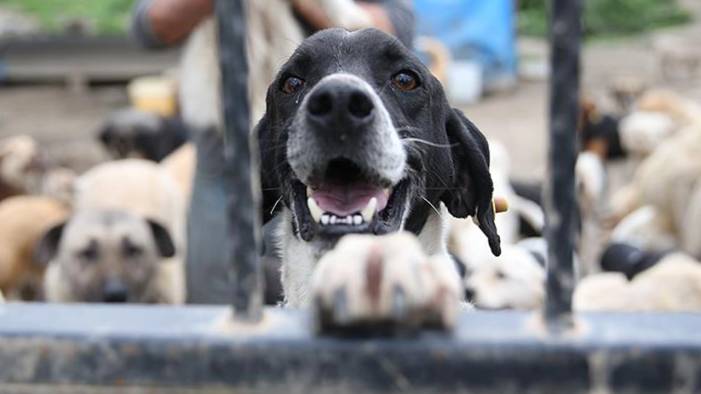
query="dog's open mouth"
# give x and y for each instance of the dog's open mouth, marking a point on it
(352, 204)
(351, 199)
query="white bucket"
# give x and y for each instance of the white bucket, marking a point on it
(465, 82)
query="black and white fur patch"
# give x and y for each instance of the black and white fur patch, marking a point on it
(358, 137)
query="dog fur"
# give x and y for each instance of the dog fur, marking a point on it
(672, 285)
(386, 278)
(138, 186)
(23, 221)
(137, 194)
(464, 235)
(658, 114)
(666, 182)
(132, 133)
(58, 183)
(20, 166)
(23, 170)
(514, 280)
(432, 161)
(108, 256)
(181, 166)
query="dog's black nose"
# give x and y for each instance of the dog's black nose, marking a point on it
(114, 291)
(341, 102)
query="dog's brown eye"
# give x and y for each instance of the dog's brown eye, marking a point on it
(405, 81)
(90, 253)
(292, 85)
(130, 250)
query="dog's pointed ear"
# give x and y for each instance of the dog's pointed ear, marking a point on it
(270, 190)
(47, 247)
(472, 188)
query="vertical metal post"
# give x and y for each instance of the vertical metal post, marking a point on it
(559, 196)
(240, 155)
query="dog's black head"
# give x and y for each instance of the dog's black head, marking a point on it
(359, 137)
(135, 133)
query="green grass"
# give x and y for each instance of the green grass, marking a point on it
(107, 16)
(601, 17)
(604, 18)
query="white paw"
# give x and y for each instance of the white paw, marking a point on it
(384, 281)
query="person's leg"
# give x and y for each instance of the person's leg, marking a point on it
(207, 253)
(208, 265)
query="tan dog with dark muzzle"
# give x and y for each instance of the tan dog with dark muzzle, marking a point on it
(108, 256)
(125, 242)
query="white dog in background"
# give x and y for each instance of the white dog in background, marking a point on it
(514, 280)
(673, 285)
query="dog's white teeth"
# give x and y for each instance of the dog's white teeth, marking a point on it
(309, 191)
(314, 209)
(369, 211)
(331, 219)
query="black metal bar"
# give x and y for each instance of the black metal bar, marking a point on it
(559, 196)
(240, 155)
(165, 349)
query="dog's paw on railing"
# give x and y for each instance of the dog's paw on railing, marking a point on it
(384, 285)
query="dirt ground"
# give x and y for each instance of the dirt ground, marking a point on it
(518, 119)
(65, 122)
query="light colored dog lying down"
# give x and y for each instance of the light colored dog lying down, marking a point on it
(667, 183)
(514, 280)
(128, 227)
(672, 285)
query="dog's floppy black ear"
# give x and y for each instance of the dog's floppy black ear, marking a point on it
(164, 242)
(471, 191)
(270, 190)
(47, 247)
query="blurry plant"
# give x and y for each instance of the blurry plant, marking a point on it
(607, 17)
(106, 16)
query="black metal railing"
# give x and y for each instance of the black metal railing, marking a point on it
(560, 204)
(240, 153)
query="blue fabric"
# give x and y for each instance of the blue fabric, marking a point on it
(399, 13)
(481, 30)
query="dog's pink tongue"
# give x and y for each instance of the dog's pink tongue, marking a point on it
(343, 200)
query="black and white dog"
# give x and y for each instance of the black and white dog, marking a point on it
(358, 138)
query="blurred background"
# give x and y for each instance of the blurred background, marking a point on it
(64, 64)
